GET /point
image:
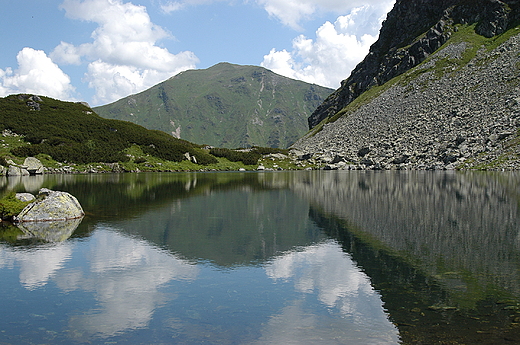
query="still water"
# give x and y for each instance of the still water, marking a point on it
(309, 257)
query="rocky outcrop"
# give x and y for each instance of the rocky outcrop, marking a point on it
(15, 170)
(51, 206)
(31, 166)
(443, 114)
(25, 197)
(412, 31)
(33, 101)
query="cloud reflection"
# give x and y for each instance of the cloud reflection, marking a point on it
(37, 267)
(125, 275)
(329, 273)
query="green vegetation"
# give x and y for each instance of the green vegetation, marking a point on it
(10, 206)
(224, 106)
(248, 157)
(71, 137)
(71, 132)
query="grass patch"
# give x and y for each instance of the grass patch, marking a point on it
(10, 206)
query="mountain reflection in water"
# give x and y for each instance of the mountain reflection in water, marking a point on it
(269, 258)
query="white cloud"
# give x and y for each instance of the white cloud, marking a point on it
(36, 74)
(169, 6)
(292, 12)
(124, 55)
(336, 50)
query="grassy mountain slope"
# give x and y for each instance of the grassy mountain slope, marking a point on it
(225, 106)
(71, 137)
(72, 132)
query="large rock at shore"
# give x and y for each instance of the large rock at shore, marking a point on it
(33, 166)
(15, 170)
(51, 205)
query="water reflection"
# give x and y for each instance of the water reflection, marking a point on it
(269, 258)
(125, 276)
(36, 267)
(328, 272)
(48, 231)
(452, 223)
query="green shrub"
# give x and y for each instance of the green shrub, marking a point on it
(269, 150)
(203, 158)
(10, 206)
(246, 157)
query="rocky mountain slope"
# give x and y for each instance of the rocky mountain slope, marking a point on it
(225, 106)
(428, 97)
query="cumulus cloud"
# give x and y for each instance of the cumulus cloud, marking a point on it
(169, 6)
(36, 74)
(292, 12)
(124, 55)
(336, 50)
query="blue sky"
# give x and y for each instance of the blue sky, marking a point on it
(102, 50)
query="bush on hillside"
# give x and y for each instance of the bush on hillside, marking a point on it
(246, 157)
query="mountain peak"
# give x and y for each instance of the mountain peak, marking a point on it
(225, 105)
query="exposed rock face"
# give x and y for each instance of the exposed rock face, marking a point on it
(50, 206)
(444, 114)
(15, 170)
(31, 166)
(413, 30)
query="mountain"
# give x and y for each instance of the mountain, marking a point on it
(440, 89)
(225, 105)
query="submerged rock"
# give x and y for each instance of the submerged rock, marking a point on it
(49, 206)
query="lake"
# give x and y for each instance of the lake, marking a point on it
(307, 257)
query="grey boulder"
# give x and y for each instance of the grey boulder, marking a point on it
(50, 206)
(33, 166)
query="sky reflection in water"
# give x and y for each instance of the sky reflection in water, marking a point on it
(269, 258)
(115, 286)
